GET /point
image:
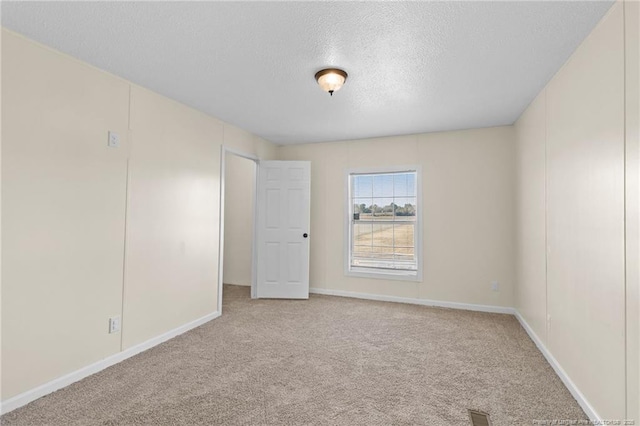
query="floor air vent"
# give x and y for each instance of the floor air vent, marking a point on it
(479, 418)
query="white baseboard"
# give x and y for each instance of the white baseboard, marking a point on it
(575, 392)
(52, 386)
(412, 301)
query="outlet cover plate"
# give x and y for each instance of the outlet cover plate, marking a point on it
(114, 140)
(114, 324)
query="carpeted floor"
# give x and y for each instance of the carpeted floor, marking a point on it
(325, 361)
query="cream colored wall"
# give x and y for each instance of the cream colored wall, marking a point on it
(585, 216)
(571, 151)
(468, 212)
(172, 235)
(1, 275)
(63, 204)
(69, 204)
(239, 216)
(247, 143)
(632, 181)
(531, 289)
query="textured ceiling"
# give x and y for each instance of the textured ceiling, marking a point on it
(413, 67)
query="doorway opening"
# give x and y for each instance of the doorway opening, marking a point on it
(238, 174)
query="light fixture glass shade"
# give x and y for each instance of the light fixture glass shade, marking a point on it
(331, 79)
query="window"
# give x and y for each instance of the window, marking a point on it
(383, 224)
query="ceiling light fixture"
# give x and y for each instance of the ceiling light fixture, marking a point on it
(331, 79)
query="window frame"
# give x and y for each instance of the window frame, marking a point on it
(371, 272)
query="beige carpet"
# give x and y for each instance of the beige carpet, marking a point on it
(325, 361)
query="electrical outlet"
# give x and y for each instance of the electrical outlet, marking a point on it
(114, 324)
(114, 140)
(495, 286)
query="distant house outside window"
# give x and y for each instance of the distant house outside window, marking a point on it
(384, 224)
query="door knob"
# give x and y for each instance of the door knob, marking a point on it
(305, 235)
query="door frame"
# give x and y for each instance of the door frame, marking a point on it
(224, 150)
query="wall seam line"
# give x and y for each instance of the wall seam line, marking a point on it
(546, 219)
(624, 204)
(126, 217)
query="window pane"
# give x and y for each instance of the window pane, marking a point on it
(362, 186)
(403, 235)
(383, 253)
(383, 185)
(367, 201)
(361, 208)
(383, 234)
(386, 207)
(405, 208)
(362, 234)
(381, 209)
(367, 215)
(404, 185)
(362, 250)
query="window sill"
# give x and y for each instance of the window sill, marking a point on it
(383, 274)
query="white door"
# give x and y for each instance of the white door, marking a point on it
(283, 229)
